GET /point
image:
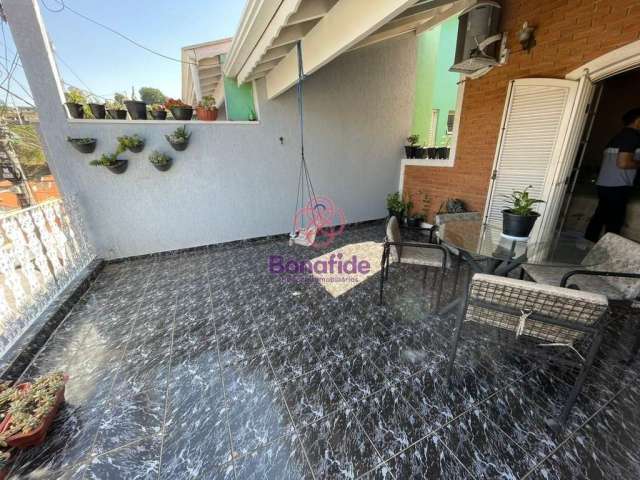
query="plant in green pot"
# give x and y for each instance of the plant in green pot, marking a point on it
(160, 160)
(179, 139)
(111, 162)
(519, 219)
(410, 150)
(116, 110)
(83, 145)
(179, 109)
(395, 206)
(133, 143)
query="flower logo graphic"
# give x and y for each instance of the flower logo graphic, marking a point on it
(320, 222)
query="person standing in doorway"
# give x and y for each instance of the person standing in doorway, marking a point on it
(615, 182)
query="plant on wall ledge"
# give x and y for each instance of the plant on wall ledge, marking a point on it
(410, 149)
(111, 162)
(133, 143)
(252, 116)
(116, 110)
(158, 111)
(160, 160)
(206, 109)
(83, 145)
(179, 109)
(75, 100)
(179, 139)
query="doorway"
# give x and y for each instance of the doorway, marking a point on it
(614, 96)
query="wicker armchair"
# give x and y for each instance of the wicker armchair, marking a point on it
(562, 325)
(422, 254)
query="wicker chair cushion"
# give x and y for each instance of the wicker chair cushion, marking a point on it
(393, 235)
(563, 304)
(422, 256)
(614, 253)
(553, 276)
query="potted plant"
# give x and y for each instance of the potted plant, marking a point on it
(179, 109)
(443, 152)
(519, 219)
(137, 109)
(33, 409)
(83, 145)
(206, 109)
(410, 150)
(98, 110)
(75, 103)
(160, 160)
(179, 139)
(432, 152)
(395, 206)
(158, 112)
(252, 116)
(112, 162)
(415, 220)
(116, 110)
(133, 143)
(420, 151)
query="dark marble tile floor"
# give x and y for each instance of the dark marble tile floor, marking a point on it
(203, 365)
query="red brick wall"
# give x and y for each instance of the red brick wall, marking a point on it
(569, 33)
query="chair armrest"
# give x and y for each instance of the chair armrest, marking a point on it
(568, 275)
(432, 246)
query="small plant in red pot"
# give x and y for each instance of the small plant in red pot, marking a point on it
(179, 109)
(32, 410)
(206, 109)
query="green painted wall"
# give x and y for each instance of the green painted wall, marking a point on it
(436, 87)
(238, 99)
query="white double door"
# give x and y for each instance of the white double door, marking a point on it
(541, 129)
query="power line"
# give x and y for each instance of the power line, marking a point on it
(77, 76)
(62, 6)
(114, 31)
(9, 92)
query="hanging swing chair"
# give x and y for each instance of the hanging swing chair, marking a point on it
(301, 235)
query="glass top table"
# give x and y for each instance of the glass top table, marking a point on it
(478, 241)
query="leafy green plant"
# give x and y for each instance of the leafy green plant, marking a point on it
(252, 115)
(105, 160)
(75, 95)
(395, 204)
(522, 204)
(129, 142)
(208, 102)
(114, 105)
(157, 107)
(179, 135)
(159, 158)
(413, 140)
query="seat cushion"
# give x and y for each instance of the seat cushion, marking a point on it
(430, 257)
(586, 283)
(614, 253)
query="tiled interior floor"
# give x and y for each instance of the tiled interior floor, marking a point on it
(204, 365)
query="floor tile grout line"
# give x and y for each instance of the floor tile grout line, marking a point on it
(574, 433)
(291, 419)
(113, 380)
(221, 370)
(166, 396)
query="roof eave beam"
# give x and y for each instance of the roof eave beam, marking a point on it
(346, 24)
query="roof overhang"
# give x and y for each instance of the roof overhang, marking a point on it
(202, 70)
(264, 45)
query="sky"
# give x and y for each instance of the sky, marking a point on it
(106, 63)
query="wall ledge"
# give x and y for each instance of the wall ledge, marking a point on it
(91, 121)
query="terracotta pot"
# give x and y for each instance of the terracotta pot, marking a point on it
(207, 114)
(37, 436)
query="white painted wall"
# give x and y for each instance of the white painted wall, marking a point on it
(235, 180)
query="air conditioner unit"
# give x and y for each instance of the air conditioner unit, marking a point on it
(478, 45)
